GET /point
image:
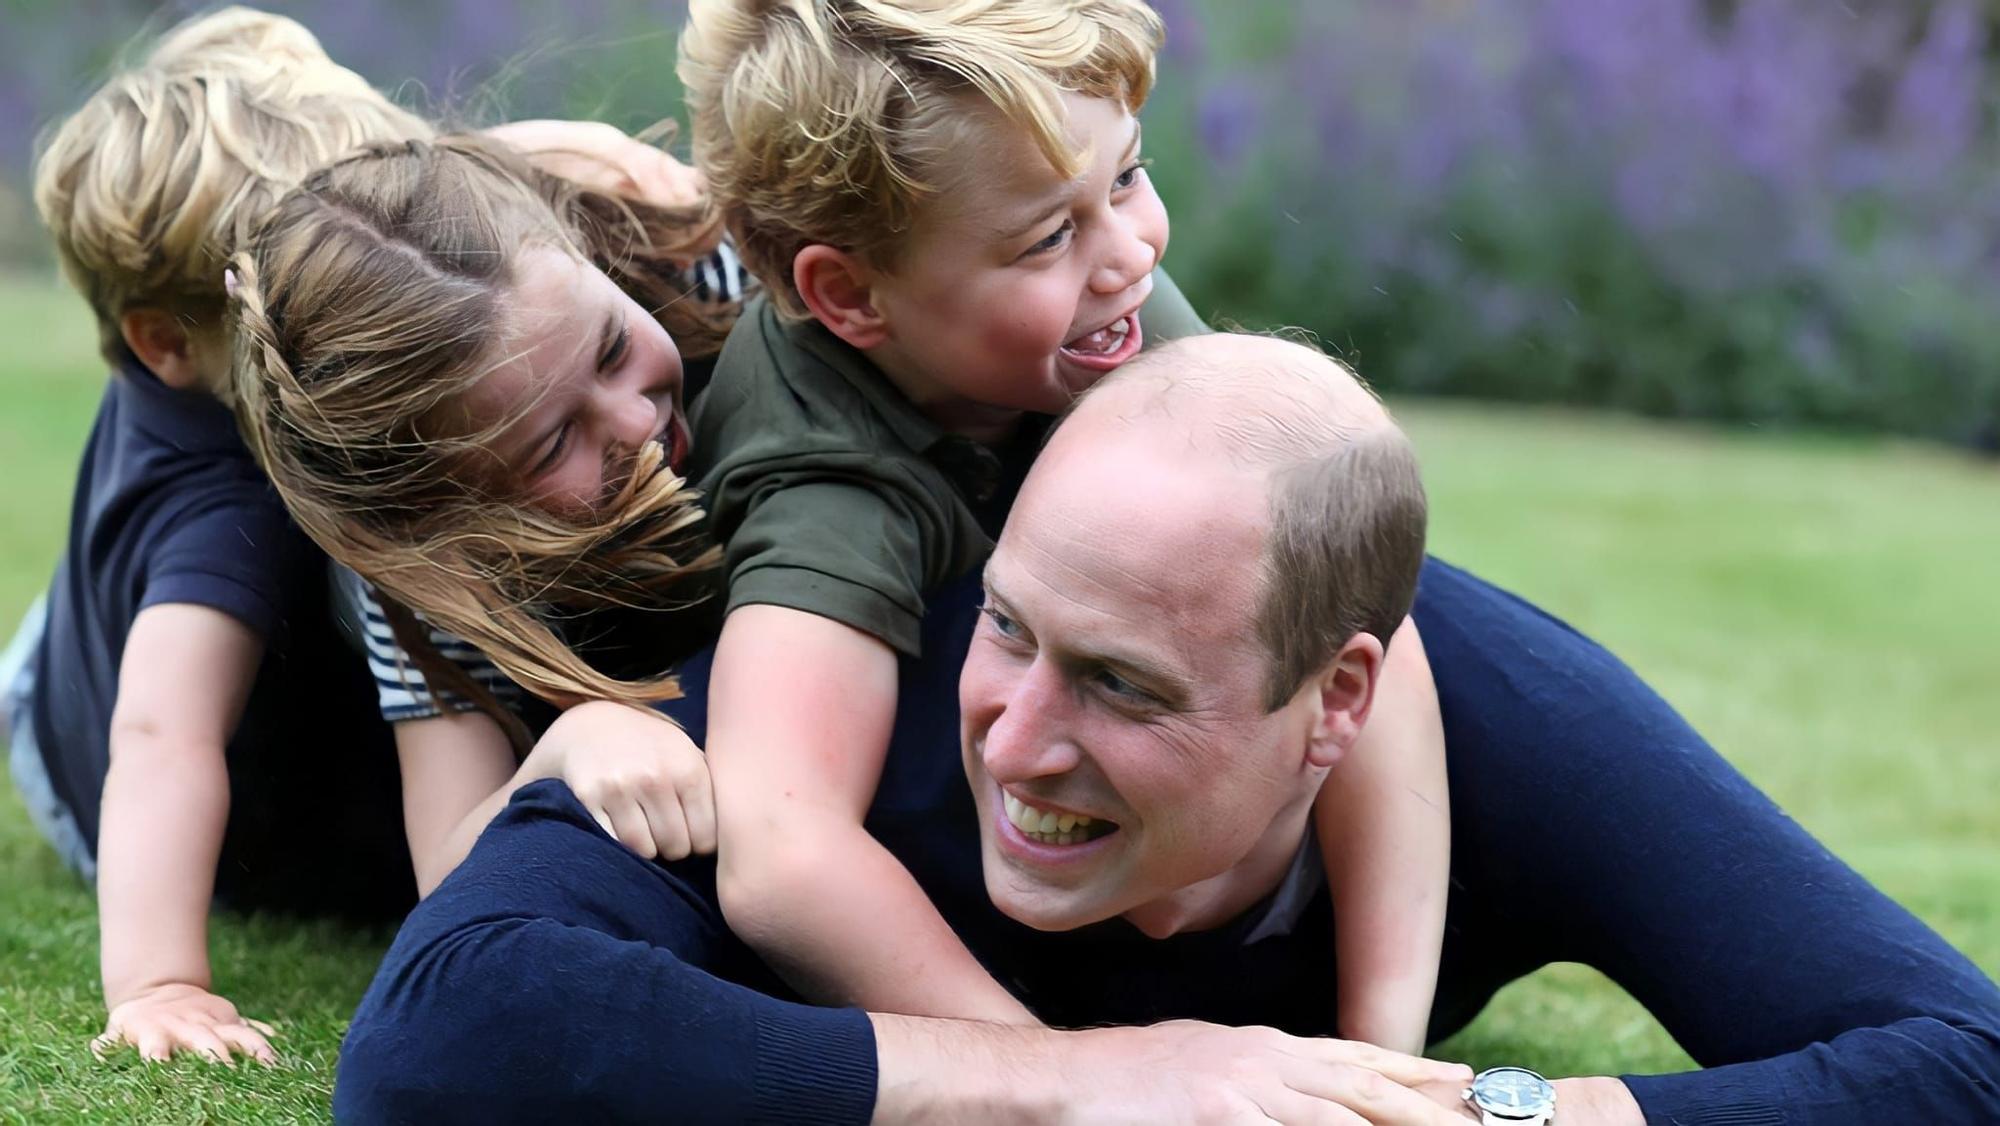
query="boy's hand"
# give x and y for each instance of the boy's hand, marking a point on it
(640, 776)
(176, 1017)
(603, 158)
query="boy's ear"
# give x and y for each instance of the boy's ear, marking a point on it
(163, 344)
(836, 287)
(1342, 694)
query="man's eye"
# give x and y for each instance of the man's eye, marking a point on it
(1002, 624)
(1120, 687)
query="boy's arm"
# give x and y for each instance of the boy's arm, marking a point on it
(1384, 823)
(800, 712)
(183, 682)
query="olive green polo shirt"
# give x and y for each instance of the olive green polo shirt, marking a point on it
(833, 494)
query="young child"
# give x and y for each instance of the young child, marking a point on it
(438, 369)
(947, 209)
(187, 723)
(189, 726)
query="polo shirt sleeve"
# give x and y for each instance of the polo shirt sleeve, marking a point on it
(1167, 315)
(235, 552)
(859, 548)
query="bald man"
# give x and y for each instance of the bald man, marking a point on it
(1176, 634)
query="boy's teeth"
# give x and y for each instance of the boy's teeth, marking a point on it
(1044, 826)
(1105, 339)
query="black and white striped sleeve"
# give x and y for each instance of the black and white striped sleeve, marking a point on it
(400, 687)
(720, 277)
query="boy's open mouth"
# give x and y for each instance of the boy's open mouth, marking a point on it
(1048, 827)
(1105, 348)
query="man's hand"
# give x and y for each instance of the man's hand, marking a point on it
(641, 777)
(177, 1017)
(1215, 1074)
(1182, 1071)
(601, 157)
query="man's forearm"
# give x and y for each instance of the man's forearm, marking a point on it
(164, 811)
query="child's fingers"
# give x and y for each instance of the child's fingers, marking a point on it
(668, 826)
(261, 1026)
(200, 1039)
(245, 1039)
(630, 827)
(153, 1043)
(698, 807)
(103, 1042)
(603, 820)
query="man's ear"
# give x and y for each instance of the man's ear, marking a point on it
(1344, 692)
(836, 288)
(162, 343)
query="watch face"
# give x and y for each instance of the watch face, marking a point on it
(1513, 1092)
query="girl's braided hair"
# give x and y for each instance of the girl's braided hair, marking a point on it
(366, 304)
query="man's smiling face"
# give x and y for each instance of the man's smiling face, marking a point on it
(1111, 704)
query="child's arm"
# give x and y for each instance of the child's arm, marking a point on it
(801, 709)
(640, 777)
(637, 773)
(182, 685)
(1384, 822)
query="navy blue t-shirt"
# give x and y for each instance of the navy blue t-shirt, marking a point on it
(171, 508)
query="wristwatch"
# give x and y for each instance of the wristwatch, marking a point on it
(1512, 1096)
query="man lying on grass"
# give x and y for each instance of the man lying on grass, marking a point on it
(1118, 660)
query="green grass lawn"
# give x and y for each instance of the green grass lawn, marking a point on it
(1820, 608)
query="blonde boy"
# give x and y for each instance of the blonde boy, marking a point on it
(947, 208)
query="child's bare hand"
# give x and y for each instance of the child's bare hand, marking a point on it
(176, 1017)
(603, 158)
(640, 776)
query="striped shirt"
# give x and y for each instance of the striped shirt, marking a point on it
(401, 690)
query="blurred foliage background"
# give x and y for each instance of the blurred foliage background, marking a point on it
(1768, 211)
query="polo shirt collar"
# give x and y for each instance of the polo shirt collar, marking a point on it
(184, 420)
(909, 424)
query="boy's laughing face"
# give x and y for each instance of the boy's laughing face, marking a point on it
(1019, 289)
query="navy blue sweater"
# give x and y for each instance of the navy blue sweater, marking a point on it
(555, 975)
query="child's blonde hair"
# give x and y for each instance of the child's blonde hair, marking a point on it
(831, 121)
(153, 183)
(366, 305)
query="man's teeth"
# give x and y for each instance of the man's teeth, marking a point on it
(1047, 827)
(1104, 340)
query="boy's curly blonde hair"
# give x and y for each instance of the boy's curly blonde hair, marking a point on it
(832, 121)
(156, 180)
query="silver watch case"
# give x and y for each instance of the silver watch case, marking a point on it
(1511, 1095)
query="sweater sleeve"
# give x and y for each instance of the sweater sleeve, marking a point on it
(1594, 825)
(555, 976)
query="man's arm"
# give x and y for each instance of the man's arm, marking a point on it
(555, 975)
(1593, 825)
(185, 676)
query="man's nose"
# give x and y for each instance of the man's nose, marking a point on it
(1031, 737)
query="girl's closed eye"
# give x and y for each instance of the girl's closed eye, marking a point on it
(620, 345)
(554, 456)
